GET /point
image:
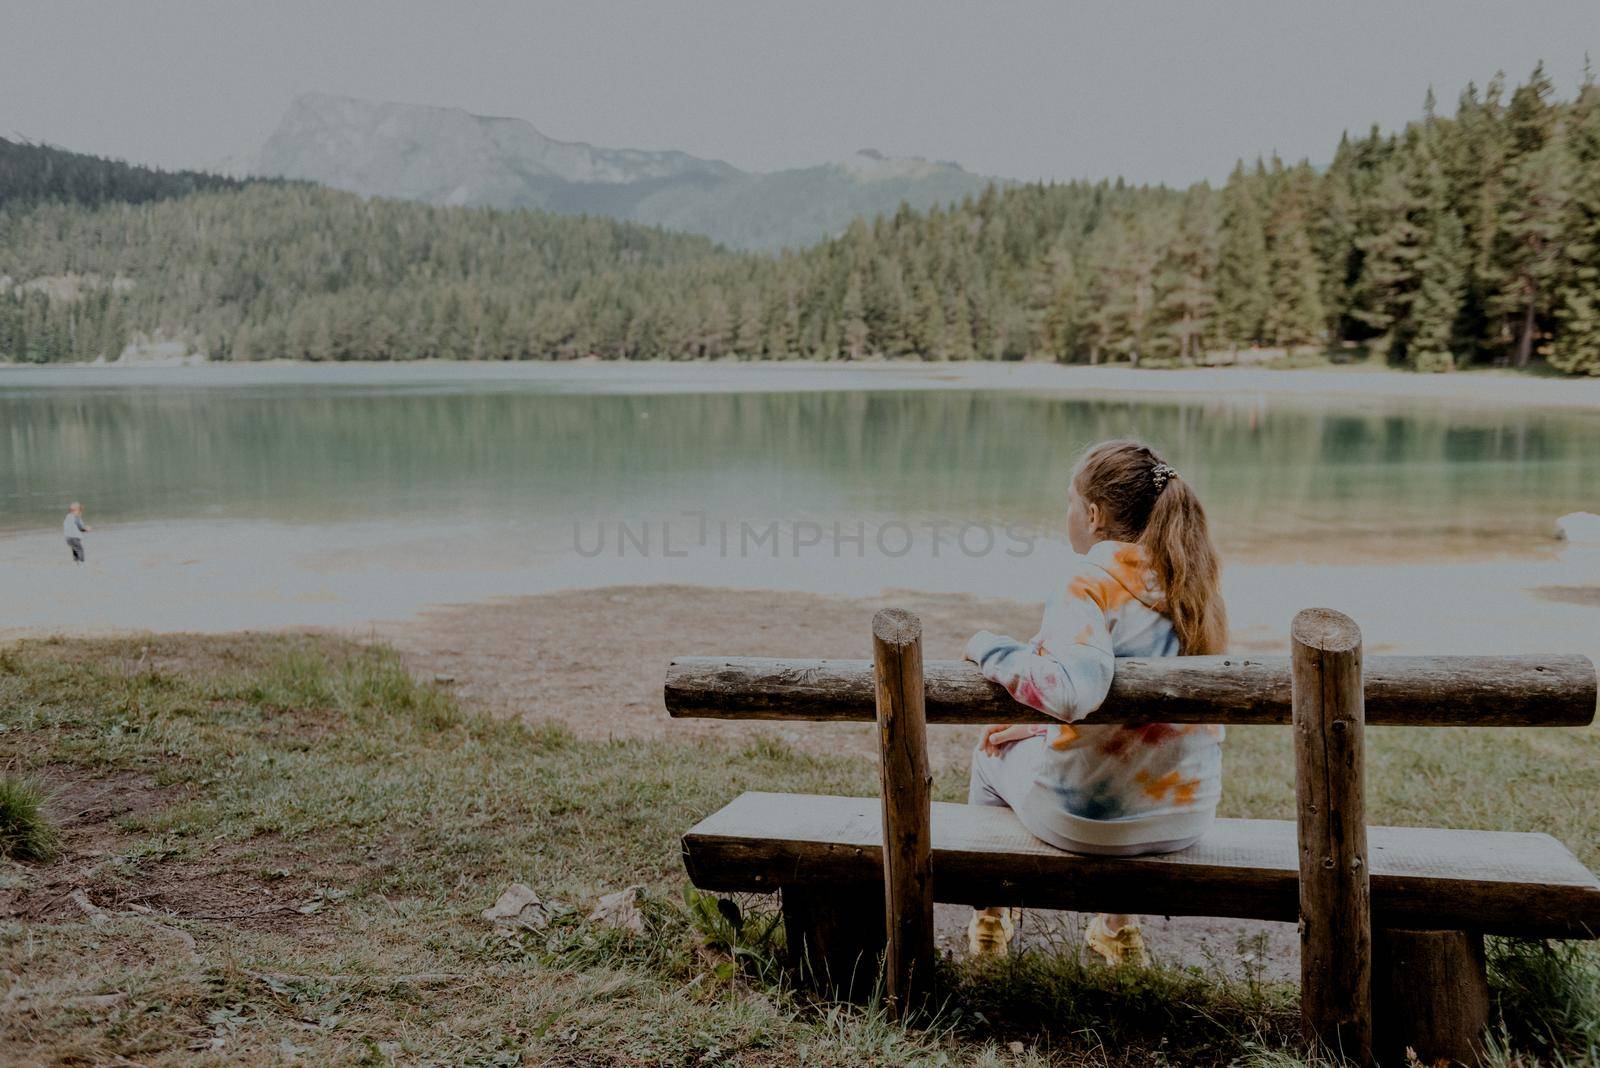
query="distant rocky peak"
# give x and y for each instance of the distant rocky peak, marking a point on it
(869, 164)
(445, 155)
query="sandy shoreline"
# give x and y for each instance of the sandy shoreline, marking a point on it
(595, 660)
(1535, 603)
(1488, 388)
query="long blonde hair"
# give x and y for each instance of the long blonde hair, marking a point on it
(1142, 499)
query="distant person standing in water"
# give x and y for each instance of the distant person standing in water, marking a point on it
(74, 528)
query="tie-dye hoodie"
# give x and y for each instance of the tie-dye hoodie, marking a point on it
(1115, 785)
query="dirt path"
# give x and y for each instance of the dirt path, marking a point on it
(595, 660)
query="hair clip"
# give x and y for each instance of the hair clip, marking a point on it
(1160, 473)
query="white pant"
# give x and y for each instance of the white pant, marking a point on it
(1010, 780)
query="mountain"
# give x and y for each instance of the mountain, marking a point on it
(795, 208)
(449, 156)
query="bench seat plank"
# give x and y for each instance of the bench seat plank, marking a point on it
(1497, 882)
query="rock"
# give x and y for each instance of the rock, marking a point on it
(620, 909)
(518, 907)
(1580, 528)
(1580, 555)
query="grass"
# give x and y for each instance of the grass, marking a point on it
(1345, 356)
(25, 833)
(1324, 358)
(1371, 356)
(276, 849)
(1549, 999)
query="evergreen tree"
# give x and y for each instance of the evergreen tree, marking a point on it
(958, 329)
(1576, 346)
(1477, 168)
(1053, 304)
(1185, 280)
(1294, 312)
(1390, 246)
(1527, 255)
(1243, 288)
(1443, 267)
(1431, 336)
(1530, 258)
(930, 335)
(1373, 162)
(1333, 235)
(748, 333)
(853, 321)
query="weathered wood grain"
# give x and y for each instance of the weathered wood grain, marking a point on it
(1330, 788)
(906, 786)
(834, 937)
(1430, 993)
(1488, 691)
(1496, 882)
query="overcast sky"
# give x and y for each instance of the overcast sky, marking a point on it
(1156, 91)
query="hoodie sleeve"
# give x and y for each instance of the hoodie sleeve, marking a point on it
(1067, 669)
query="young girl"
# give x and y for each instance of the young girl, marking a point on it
(1144, 583)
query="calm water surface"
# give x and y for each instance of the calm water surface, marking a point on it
(561, 461)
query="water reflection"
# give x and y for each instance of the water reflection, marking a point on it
(1279, 478)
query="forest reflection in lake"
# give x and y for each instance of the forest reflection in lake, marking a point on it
(1280, 477)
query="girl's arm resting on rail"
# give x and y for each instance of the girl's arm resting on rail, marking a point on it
(1066, 672)
(997, 736)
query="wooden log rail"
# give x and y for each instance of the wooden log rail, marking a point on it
(1422, 691)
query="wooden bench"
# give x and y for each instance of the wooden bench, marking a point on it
(1392, 916)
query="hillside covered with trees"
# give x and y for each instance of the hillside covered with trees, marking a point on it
(31, 173)
(1468, 238)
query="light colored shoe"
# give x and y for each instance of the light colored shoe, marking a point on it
(1124, 945)
(989, 931)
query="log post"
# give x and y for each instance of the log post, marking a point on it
(834, 938)
(907, 786)
(1330, 791)
(1430, 992)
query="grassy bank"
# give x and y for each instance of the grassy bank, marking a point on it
(277, 848)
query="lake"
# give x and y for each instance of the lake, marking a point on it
(381, 489)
